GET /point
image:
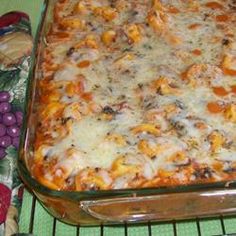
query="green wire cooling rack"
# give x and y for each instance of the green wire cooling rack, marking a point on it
(35, 220)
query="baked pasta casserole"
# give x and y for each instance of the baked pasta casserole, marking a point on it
(137, 94)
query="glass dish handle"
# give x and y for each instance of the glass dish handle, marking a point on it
(162, 207)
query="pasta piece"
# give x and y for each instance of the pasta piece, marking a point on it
(149, 128)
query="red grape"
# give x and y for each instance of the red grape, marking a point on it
(10, 123)
(5, 107)
(5, 141)
(2, 130)
(13, 131)
(8, 119)
(4, 96)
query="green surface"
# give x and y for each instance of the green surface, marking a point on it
(43, 222)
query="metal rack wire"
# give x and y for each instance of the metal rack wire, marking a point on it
(222, 229)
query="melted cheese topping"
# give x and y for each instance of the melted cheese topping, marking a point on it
(137, 94)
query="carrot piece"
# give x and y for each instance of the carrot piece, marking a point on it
(215, 107)
(84, 64)
(214, 5)
(229, 72)
(233, 89)
(197, 52)
(194, 26)
(184, 75)
(220, 91)
(173, 10)
(88, 96)
(61, 34)
(222, 18)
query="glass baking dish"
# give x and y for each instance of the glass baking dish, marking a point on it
(116, 206)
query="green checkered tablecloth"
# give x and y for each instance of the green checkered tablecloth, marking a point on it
(34, 219)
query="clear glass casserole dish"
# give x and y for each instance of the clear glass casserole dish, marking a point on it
(120, 205)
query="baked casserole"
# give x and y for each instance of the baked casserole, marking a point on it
(137, 94)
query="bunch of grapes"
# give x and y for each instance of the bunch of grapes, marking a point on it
(10, 124)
